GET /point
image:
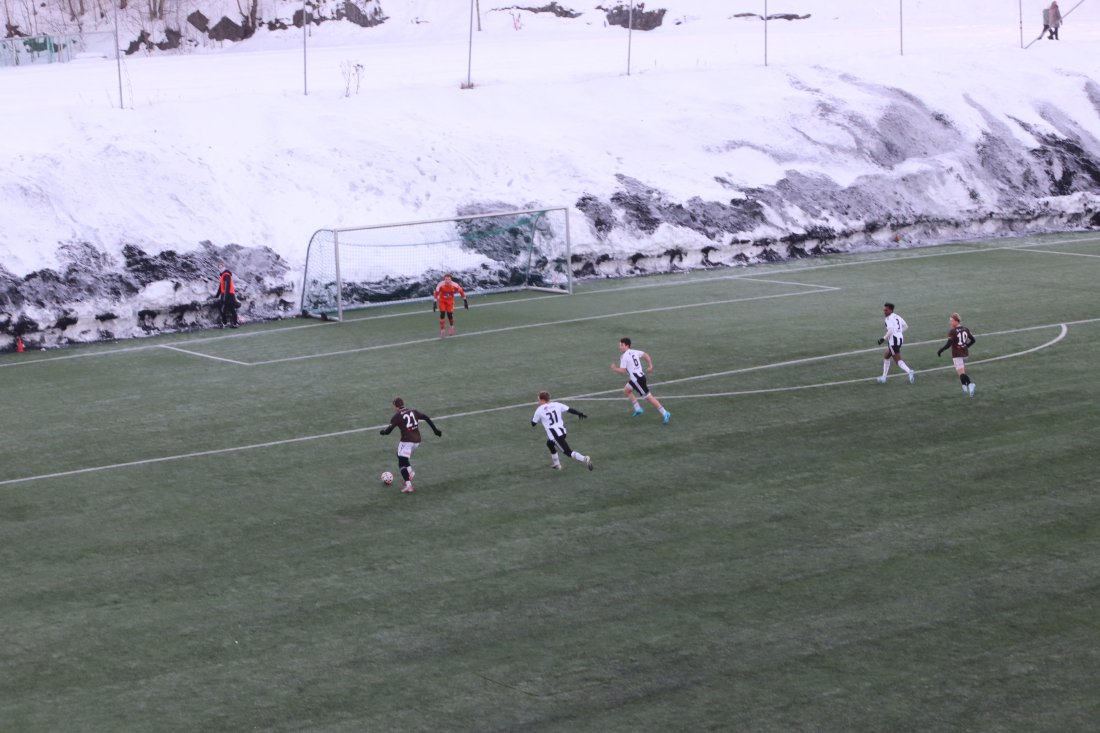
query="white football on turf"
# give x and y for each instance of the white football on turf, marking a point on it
(387, 478)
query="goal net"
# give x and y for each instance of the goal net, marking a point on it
(356, 267)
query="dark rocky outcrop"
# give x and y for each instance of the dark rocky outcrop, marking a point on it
(636, 18)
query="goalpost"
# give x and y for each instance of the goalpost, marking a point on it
(358, 267)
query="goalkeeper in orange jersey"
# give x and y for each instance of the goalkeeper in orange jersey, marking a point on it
(443, 300)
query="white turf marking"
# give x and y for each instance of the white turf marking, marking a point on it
(201, 355)
(1051, 252)
(544, 324)
(288, 329)
(590, 396)
(841, 354)
(664, 398)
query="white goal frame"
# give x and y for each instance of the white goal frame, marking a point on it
(326, 280)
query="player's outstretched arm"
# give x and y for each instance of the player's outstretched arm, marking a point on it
(578, 413)
(386, 430)
(617, 368)
(466, 304)
(437, 431)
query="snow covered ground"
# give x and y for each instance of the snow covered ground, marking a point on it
(123, 187)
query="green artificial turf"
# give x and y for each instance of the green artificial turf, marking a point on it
(193, 535)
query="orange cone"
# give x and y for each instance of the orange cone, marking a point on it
(19, 344)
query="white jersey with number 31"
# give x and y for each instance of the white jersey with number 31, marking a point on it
(552, 417)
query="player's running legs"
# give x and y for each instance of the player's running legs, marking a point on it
(637, 409)
(960, 369)
(665, 414)
(576, 456)
(893, 353)
(642, 389)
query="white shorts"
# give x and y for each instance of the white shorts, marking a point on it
(959, 362)
(405, 450)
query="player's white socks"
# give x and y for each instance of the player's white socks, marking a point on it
(886, 367)
(578, 457)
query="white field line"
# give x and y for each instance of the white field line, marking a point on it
(810, 359)
(608, 291)
(1052, 252)
(269, 332)
(204, 356)
(544, 324)
(665, 397)
(529, 405)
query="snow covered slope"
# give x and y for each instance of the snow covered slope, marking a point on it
(729, 141)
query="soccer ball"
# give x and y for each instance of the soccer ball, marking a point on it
(387, 478)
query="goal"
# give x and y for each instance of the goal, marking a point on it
(357, 267)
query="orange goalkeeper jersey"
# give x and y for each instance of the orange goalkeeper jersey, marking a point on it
(445, 294)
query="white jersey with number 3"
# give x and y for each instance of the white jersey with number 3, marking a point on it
(895, 328)
(552, 417)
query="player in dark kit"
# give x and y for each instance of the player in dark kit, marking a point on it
(407, 420)
(959, 340)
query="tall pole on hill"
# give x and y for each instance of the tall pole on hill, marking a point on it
(1021, 23)
(470, 51)
(765, 32)
(305, 78)
(629, 34)
(118, 57)
(901, 27)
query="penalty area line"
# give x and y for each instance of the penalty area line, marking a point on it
(1052, 252)
(204, 356)
(542, 324)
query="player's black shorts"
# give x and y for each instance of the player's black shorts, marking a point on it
(560, 440)
(638, 385)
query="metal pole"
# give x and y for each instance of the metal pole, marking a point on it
(765, 32)
(118, 58)
(1021, 23)
(629, 35)
(901, 27)
(470, 51)
(305, 77)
